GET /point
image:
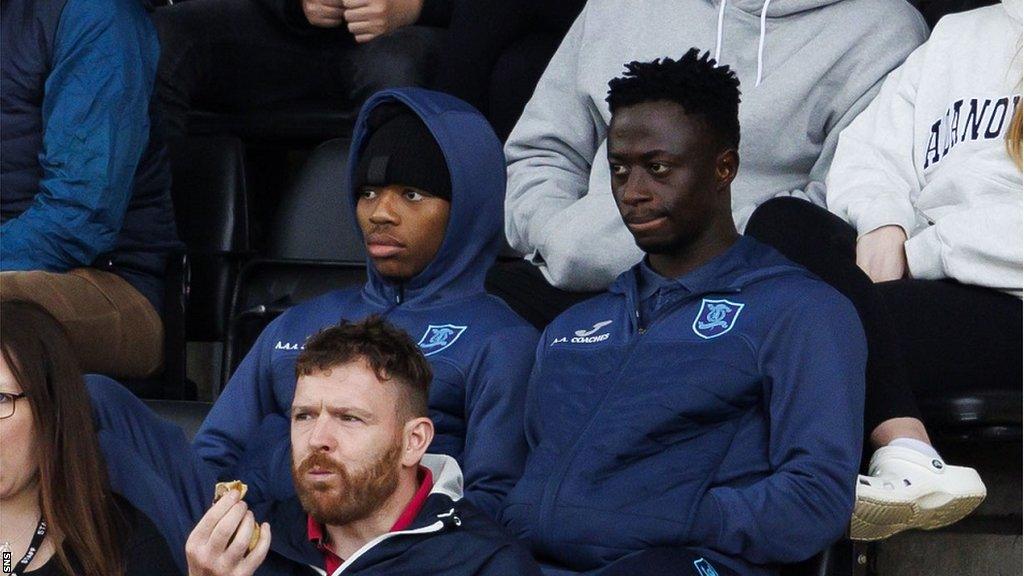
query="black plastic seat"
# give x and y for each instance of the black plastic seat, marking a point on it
(211, 208)
(188, 415)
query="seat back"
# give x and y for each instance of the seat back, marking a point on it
(266, 288)
(211, 208)
(314, 220)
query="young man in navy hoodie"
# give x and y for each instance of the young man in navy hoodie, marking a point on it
(427, 176)
(704, 415)
(370, 501)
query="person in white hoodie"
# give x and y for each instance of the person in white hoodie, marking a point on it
(926, 184)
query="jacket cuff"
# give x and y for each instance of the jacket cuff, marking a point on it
(924, 255)
(883, 213)
(706, 525)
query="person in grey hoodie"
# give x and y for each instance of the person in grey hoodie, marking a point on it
(807, 68)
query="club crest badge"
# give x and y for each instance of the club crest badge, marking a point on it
(716, 317)
(704, 568)
(437, 338)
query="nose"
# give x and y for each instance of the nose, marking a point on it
(320, 437)
(384, 208)
(634, 189)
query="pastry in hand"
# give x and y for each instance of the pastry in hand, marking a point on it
(222, 489)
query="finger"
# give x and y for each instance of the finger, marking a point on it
(240, 545)
(209, 521)
(362, 28)
(355, 3)
(364, 38)
(363, 15)
(250, 563)
(333, 4)
(327, 13)
(226, 527)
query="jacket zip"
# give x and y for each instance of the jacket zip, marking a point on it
(554, 484)
(435, 527)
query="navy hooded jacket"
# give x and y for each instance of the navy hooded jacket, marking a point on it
(480, 351)
(731, 423)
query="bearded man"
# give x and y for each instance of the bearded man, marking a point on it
(368, 498)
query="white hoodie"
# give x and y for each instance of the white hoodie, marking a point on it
(929, 155)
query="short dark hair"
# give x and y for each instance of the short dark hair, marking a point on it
(390, 353)
(696, 82)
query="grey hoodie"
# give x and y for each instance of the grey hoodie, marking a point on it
(822, 61)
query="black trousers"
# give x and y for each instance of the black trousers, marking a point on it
(236, 55)
(497, 50)
(923, 336)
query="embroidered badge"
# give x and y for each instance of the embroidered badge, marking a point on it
(716, 317)
(704, 568)
(437, 338)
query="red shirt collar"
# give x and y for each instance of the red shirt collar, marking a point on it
(315, 532)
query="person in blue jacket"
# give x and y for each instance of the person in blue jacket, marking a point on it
(87, 219)
(704, 415)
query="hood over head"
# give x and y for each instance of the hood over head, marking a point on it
(477, 166)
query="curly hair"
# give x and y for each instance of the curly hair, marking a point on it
(696, 82)
(388, 351)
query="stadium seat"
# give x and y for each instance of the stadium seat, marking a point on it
(313, 247)
(211, 208)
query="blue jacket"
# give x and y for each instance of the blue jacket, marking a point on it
(731, 423)
(85, 176)
(480, 351)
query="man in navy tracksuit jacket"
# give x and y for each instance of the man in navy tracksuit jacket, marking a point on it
(480, 352)
(704, 415)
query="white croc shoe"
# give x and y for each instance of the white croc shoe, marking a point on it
(906, 489)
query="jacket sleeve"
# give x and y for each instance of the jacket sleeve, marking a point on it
(979, 245)
(813, 362)
(903, 31)
(873, 175)
(96, 124)
(495, 448)
(240, 410)
(550, 213)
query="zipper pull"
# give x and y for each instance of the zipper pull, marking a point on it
(639, 329)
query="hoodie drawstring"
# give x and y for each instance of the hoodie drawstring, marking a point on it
(760, 40)
(718, 39)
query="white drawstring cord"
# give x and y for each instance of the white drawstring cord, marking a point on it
(718, 40)
(760, 42)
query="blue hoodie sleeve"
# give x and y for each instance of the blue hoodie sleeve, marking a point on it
(495, 449)
(813, 360)
(95, 129)
(240, 410)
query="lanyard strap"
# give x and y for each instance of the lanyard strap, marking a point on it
(33, 547)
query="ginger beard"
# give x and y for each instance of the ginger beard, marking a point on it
(347, 496)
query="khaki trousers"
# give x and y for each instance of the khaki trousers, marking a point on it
(113, 328)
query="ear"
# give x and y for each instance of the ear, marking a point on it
(727, 163)
(418, 433)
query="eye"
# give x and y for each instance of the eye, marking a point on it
(350, 418)
(658, 169)
(618, 170)
(367, 193)
(412, 195)
(301, 416)
(6, 398)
